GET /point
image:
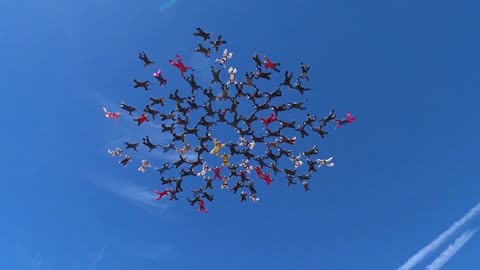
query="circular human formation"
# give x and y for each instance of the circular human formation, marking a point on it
(198, 119)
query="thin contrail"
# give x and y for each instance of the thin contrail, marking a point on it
(450, 251)
(419, 256)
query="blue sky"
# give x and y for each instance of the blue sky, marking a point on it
(404, 172)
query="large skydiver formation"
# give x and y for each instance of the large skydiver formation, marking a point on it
(193, 139)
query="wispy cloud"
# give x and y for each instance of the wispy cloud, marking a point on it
(97, 260)
(435, 244)
(450, 251)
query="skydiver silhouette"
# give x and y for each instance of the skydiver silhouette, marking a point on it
(200, 33)
(203, 50)
(132, 146)
(218, 42)
(143, 56)
(127, 108)
(151, 111)
(144, 84)
(159, 101)
(216, 75)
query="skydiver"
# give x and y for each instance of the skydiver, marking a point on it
(331, 116)
(304, 74)
(149, 144)
(183, 110)
(221, 115)
(170, 116)
(251, 187)
(267, 121)
(256, 139)
(144, 84)
(175, 97)
(243, 196)
(288, 80)
(216, 76)
(208, 184)
(218, 42)
(250, 119)
(166, 181)
(178, 184)
(280, 108)
(184, 149)
(255, 95)
(208, 196)
(306, 186)
(184, 172)
(225, 161)
(247, 153)
(181, 121)
(245, 132)
(276, 93)
(257, 60)
(179, 162)
(193, 201)
(298, 86)
(274, 168)
(127, 108)
(132, 146)
(143, 56)
(193, 130)
(296, 161)
(290, 173)
(166, 128)
(290, 141)
(173, 195)
(310, 119)
(237, 185)
(115, 153)
(180, 65)
(270, 65)
(305, 176)
(291, 180)
(287, 124)
(167, 148)
(260, 161)
(311, 152)
(225, 57)
(327, 162)
(203, 50)
(204, 139)
(246, 143)
(236, 120)
(275, 133)
(125, 160)
(296, 105)
(113, 115)
(224, 93)
(249, 79)
(208, 108)
(233, 150)
(224, 183)
(239, 87)
(264, 75)
(193, 83)
(158, 75)
(165, 167)
(217, 145)
(347, 120)
(283, 152)
(161, 194)
(264, 106)
(204, 122)
(145, 164)
(141, 119)
(191, 102)
(201, 149)
(178, 137)
(269, 154)
(311, 165)
(216, 172)
(197, 192)
(232, 72)
(209, 93)
(204, 170)
(301, 129)
(201, 207)
(203, 34)
(151, 111)
(266, 177)
(195, 163)
(155, 101)
(233, 107)
(233, 170)
(258, 171)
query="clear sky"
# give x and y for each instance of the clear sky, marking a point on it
(405, 171)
